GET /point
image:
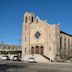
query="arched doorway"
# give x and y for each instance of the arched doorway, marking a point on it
(41, 50)
(37, 49)
(32, 50)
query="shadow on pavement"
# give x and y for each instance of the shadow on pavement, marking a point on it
(6, 67)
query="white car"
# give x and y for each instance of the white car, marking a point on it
(31, 60)
(5, 57)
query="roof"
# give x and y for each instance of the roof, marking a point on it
(65, 33)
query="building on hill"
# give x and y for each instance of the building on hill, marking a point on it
(41, 38)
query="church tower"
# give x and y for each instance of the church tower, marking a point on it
(28, 20)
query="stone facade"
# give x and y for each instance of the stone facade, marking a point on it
(65, 45)
(40, 37)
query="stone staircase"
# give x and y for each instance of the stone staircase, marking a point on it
(48, 58)
(38, 58)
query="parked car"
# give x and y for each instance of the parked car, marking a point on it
(16, 58)
(5, 57)
(31, 60)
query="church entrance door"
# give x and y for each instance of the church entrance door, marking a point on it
(37, 49)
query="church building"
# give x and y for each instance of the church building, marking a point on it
(44, 41)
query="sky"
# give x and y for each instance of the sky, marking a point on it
(12, 11)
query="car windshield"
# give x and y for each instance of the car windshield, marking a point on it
(31, 58)
(15, 56)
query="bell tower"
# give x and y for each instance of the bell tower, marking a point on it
(29, 17)
(28, 20)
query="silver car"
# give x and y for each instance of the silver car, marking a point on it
(31, 60)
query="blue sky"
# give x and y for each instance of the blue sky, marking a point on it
(11, 16)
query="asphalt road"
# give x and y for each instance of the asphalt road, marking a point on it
(10, 66)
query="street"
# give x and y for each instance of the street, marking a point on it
(15, 66)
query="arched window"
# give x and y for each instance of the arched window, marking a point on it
(64, 43)
(68, 43)
(25, 19)
(32, 19)
(60, 42)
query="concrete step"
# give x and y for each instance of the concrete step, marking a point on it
(38, 58)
